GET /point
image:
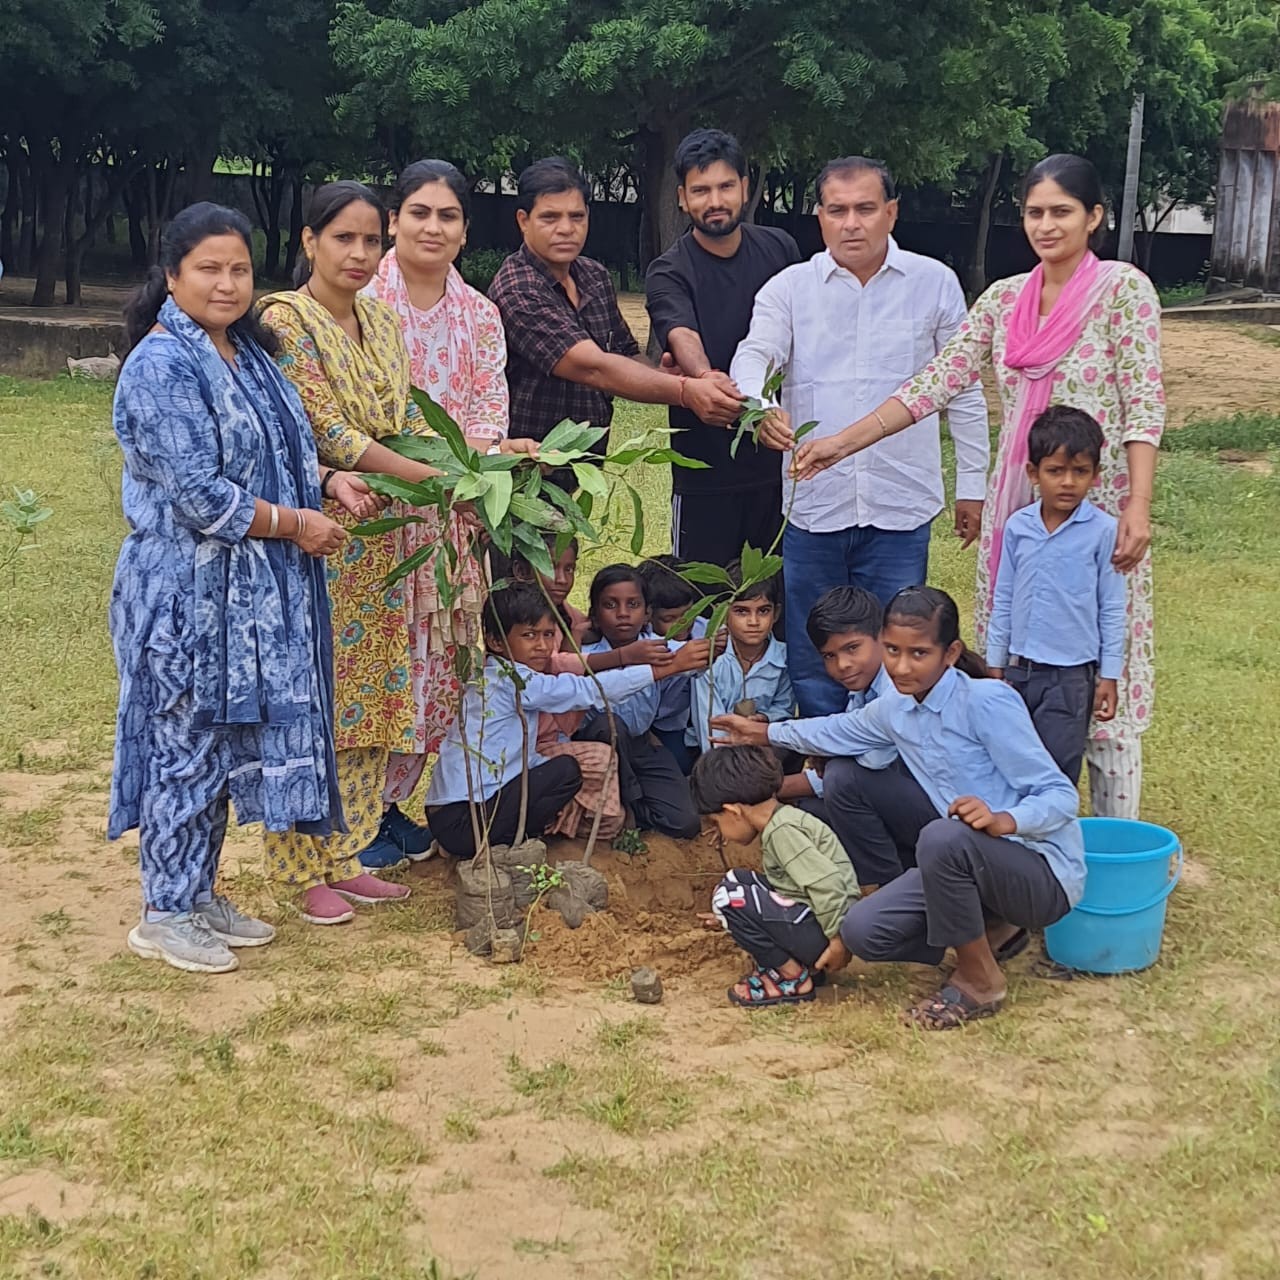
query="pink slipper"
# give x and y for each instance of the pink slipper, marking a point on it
(320, 905)
(369, 891)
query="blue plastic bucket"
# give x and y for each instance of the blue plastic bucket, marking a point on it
(1117, 926)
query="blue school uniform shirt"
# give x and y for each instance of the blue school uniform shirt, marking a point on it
(637, 713)
(1058, 598)
(868, 759)
(674, 693)
(718, 692)
(495, 737)
(967, 738)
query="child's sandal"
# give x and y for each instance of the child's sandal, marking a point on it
(758, 996)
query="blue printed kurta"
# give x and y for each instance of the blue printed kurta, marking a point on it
(221, 640)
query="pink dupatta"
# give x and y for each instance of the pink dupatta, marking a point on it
(458, 395)
(1034, 350)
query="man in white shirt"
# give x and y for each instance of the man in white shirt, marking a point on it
(848, 327)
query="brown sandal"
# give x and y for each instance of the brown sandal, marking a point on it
(951, 1008)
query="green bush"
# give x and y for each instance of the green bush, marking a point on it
(480, 266)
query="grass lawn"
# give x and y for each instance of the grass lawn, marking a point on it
(370, 1103)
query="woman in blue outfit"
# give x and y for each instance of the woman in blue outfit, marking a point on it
(219, 616)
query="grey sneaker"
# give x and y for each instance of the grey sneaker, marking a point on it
(184, 942)
(227, 922)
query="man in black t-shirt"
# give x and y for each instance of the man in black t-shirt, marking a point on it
(699, 296)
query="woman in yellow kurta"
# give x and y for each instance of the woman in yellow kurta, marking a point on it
(345, 355)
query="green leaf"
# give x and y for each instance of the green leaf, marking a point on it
(637, 516)
(501, 536)
(534, 549)
(444, 426)
(749, 563)
(444, 587)
(687, 617)
(373, 527)
(803, 431)
(497, 501)
(470, 487)
(591, 478)
(535, 511)
(716, 620)
(570, 436)
(432, 450)
(701, 571)
(677, 460)
(424, 493)
(409, 565)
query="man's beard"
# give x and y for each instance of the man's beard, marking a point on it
(719, 230)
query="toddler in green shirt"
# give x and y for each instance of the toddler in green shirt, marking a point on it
(784, 918)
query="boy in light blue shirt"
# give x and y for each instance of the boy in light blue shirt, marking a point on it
(1057, 629)
(492, 742)
(751, 672)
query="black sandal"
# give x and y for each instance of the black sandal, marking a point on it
(758, 996)
(951, 1008)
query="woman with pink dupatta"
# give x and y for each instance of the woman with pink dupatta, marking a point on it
(1075, 331)
(458, 356)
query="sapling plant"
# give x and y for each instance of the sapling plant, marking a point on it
(24, 513)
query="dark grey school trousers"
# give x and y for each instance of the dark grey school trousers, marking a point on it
(962, 880)
(1060, 700)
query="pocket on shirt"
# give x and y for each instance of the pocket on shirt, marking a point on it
(895, 350)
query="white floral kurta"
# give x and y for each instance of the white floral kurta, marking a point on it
(1113, 373)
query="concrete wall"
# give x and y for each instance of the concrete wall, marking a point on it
(31, 347)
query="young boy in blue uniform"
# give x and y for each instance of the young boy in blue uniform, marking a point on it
(1057, 629)
(522, 635)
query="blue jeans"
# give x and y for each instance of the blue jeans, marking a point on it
(881, 561)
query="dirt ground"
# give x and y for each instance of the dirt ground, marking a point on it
(458, 1070)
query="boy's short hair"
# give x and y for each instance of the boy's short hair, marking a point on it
(841, 610)
(664, 588)
(516, 567)
(735, 775)
(766, 589)
(520, 605)
(1062, 427)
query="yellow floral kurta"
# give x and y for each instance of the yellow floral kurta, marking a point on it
(354, 393)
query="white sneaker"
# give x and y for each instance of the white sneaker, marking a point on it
(184, 942)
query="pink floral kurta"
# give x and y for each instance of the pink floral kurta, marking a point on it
(457, 354)
(1113, 373)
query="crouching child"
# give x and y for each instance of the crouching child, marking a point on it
(785, 917)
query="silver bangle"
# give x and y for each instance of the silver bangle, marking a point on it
(302, 524)
(275, 521)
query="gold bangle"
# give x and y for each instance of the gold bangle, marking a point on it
(884, 426)
(302, 524)
(275, 521)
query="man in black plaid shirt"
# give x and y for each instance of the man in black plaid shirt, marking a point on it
(569, 351)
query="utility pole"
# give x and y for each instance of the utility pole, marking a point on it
(1129, 203)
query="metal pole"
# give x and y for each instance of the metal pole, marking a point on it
(1129, 204)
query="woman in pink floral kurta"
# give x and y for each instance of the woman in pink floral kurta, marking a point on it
(458, 355)
(1113, 372)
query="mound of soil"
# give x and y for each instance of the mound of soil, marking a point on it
(654, 898)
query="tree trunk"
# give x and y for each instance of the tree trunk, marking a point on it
(27, 228)
(71, 259)
(12, 197)
(198, 169)
(977, 275)
(153, 218)
(267, 191)
(663, 220)
(295, 228)
(55, 190)
(118, 177)
(134, 200)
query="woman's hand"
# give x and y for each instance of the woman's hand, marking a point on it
(318, 535)
(815, 456)
(1133, 537)
(835, 957)
(354, 495)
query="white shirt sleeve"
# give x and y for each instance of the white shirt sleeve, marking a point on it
(768, 340)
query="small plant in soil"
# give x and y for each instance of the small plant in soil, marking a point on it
(630, 842)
